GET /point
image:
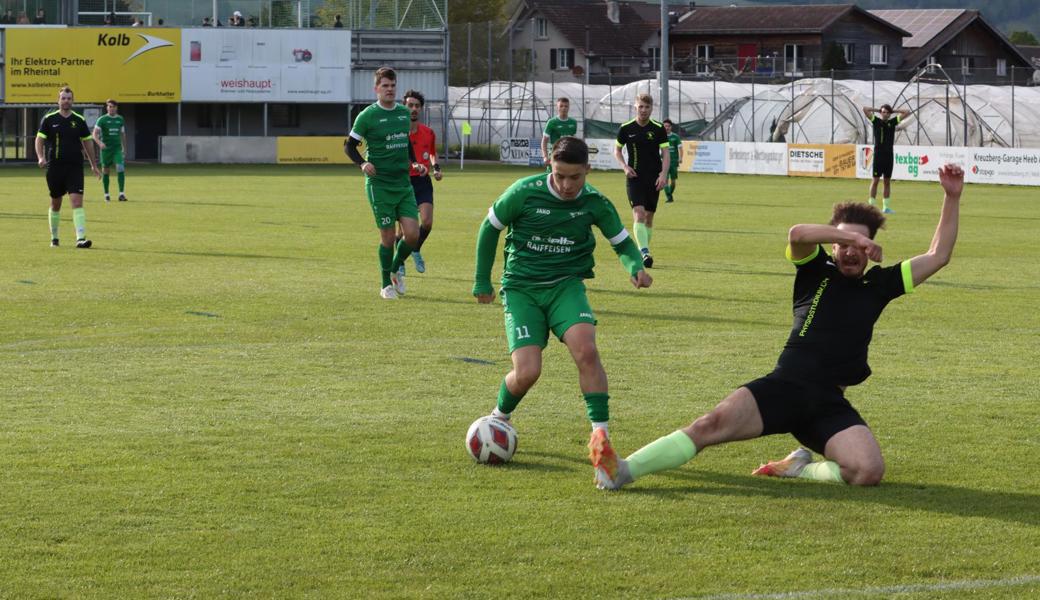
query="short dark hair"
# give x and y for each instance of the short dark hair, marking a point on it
(887, 107)
(112, 101)
(564, 99)
(570, 150)
(65, 89)
(385, 73)
(669, 121)
(858, 213)
(417, 95)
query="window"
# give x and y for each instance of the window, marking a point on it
(879, 54)
(967, 63)
(561, 58)
(655, 59)
(284, 115)
(794, 59)
(541, 28)
(210, 116)
(1001, 67)
(705, 54)
(849, 50)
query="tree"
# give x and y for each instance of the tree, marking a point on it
(834, 58)
(1023, 38)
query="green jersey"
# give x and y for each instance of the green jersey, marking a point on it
(674, 143)
(551, 239)
(385, 133)
(556, 128)
(112, 130)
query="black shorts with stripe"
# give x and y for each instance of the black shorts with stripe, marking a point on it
(642, 191)
(64, 179)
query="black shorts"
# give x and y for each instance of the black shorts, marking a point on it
(423, 188)
(812, 413)
(64, 179)
(883, 163)
(642, 192)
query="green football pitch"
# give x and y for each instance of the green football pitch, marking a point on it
(215, 402)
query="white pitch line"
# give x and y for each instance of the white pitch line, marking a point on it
(968, 584)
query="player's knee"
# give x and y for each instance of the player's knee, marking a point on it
(586, 356)
(867, 473)
(427, 224)
(526, 375)
(705, 427)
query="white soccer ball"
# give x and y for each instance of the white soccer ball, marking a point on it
(491, 441)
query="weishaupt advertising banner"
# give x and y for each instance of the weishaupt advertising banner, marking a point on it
(130, 64)
(226, 64)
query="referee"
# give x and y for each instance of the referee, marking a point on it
(646, 170)
(62, 139)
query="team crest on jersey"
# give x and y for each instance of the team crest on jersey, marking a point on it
(538, 183)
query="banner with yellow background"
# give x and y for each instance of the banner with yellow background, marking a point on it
(128, 64)
(314, 150)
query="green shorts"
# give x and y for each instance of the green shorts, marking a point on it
(391, 202)
(673, 171)
(112, 156)
(531, 312)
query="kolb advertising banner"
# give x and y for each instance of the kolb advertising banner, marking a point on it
(261, 65)
(128, 64)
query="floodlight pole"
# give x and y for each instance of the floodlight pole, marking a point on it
(1012, 106)
(663, 62)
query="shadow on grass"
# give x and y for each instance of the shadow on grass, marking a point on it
(221, 204)
(18, 216)
(524, 462)
(1015, 507)
(683, 318)
(980, 286)
(675, 295)
(208, 254)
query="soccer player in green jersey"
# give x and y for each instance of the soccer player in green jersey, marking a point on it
(110, 135)
(557, 127)
(384, 128)
(61, 141)
(548, 253)
(675, 154)
(837, 301)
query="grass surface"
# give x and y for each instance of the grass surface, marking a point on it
(215, 402)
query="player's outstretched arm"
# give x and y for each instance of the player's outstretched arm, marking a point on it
(951, 177)
(804, 238)
(487, 243)
(96, 134)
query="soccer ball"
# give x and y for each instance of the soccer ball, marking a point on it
(491, 441)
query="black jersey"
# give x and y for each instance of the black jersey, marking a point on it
(884, 132)
(834, 318)
(644, 144)
(63, 137)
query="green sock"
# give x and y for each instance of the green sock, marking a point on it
(55, 218)
(121, 178)
(79, 219)
(596, 405)
(884, 203)
(649, 235)
(826, 470)
(642, 239)
(506, 400)
(403, 252)
(668, 191)
(872, 201)
(386, 256)
(669, 452)
(104, 182)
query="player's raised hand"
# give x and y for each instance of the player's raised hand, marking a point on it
(642, 279)
(951, 177)
(486, 298)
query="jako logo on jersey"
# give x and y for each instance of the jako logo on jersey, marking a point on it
(542, 211)
(151, 42)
